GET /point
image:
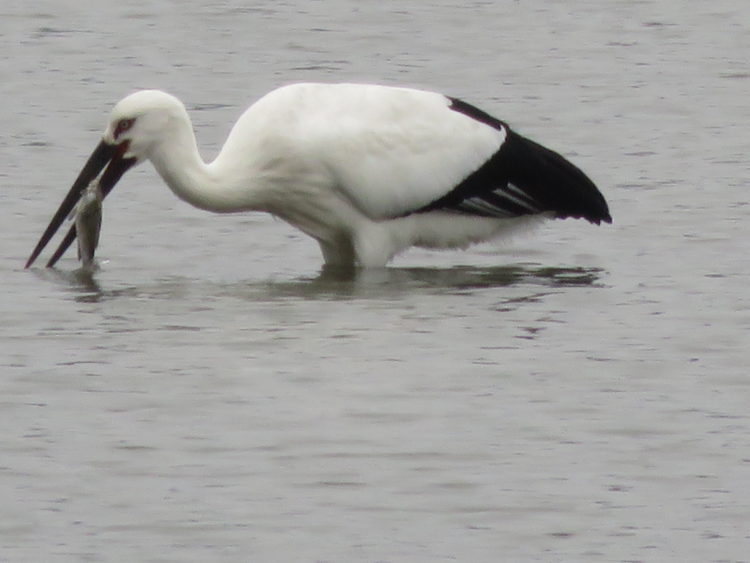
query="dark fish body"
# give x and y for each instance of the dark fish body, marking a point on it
(88, 220)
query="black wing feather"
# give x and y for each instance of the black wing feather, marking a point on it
(522, 178)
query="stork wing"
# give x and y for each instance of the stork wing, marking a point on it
(415, 151)
(522, 178)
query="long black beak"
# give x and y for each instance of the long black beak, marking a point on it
(103, 154)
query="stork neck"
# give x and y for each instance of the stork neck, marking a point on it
(180, 165)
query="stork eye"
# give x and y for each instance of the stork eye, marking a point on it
(122, 126)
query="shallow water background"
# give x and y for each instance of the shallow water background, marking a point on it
(578, 394)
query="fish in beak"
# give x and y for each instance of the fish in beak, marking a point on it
(111, 156)
(88, 223)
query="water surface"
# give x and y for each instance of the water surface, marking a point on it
(577, 394)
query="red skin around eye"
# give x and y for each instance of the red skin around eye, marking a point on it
(123, 126)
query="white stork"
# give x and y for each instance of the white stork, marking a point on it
(365, 170)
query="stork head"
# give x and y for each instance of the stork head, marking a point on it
(140, 121)
(136, 125)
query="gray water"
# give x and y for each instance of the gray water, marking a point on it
(576, 394)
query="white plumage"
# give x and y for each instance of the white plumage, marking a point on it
(366, 170)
